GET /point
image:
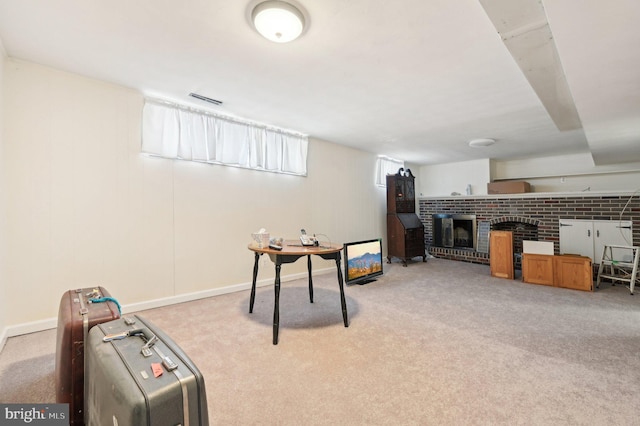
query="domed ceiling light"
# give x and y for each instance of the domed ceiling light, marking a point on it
(278, 21)
(481, 143)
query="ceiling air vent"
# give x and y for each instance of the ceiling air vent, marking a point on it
(204, 98)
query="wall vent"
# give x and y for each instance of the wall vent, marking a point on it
(204, 98)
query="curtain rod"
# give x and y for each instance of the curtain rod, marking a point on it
(226, 117)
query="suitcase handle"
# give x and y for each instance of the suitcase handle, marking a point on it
(122, 334)
(149, 338)
(106, 299)
(146, 335)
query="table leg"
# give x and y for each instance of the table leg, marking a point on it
(310, 279)
(342, 300)
(276, 309)
(253, 284)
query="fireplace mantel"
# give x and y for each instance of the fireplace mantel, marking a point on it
(580, 194)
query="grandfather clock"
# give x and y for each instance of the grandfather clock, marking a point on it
(405, 231)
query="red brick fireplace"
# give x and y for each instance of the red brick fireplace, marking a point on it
(530, 216)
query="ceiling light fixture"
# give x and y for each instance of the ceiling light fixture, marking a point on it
(278, 21)
(481, 143)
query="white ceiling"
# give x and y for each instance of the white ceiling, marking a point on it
(412, 79)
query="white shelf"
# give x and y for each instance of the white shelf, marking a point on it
(572, 194)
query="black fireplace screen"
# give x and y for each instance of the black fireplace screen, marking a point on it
(454, 230)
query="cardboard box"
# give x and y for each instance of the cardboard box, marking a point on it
(508, 187)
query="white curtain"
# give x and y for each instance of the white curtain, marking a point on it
(386, 166)
(173, 132)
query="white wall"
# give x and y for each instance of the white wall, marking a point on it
(569, 173)
(445, 179)
(3, 282)
(564, 174)
(86, 208)
(345, 202)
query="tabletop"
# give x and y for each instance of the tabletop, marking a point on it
(293, 247)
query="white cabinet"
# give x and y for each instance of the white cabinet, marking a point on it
(588, 237)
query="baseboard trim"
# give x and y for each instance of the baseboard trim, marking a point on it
(31, 327)
(3, 338)
(47, 324)
(189, 297)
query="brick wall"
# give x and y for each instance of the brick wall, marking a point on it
(545, 210)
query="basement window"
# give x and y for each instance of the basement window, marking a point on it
(386, 166)
(177, 132)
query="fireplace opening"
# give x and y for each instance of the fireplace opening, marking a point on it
(454, 230)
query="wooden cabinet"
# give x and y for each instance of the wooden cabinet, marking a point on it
(501, 254)
(405, 231)
(401, 196)
(573, 272)
(537, 268)
(565, 271)
(405, 237)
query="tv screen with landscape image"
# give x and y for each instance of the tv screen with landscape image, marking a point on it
(362, 261)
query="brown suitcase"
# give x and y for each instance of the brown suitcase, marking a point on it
(76, 316)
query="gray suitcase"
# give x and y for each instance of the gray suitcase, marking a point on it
(121, 386)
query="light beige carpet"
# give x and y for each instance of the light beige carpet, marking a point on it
(433, 343)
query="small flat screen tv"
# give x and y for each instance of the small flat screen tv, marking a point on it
(362, 261)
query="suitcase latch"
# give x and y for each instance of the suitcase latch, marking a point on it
(146, 349)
